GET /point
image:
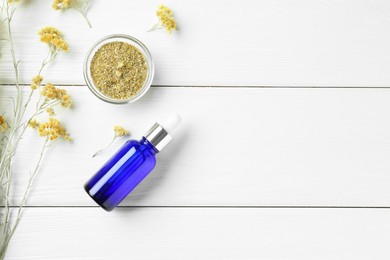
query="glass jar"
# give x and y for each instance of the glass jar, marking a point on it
(126, 39)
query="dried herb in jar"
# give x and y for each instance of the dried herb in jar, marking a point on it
(119, 70)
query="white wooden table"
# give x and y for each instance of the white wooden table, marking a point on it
(283, 154)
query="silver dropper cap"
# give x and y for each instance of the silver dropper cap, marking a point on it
(160, 135)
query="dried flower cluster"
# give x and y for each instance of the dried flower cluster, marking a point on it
(50, 111)
(51, 129)
(120, 131)
(52, 93)
(61, 4)
(33, 123)
(36, 82)
(79, 5)
(53, 37)
(166, 19)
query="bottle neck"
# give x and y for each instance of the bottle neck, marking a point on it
(149, 145)
(158, 137)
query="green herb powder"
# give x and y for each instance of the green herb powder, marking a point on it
(119, 70)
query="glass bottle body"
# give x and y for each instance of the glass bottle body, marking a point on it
(122, 173)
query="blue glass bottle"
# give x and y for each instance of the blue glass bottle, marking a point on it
(129, 166)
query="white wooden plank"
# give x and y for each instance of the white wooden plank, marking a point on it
(202, 233)
(252, 42)
(237, 146)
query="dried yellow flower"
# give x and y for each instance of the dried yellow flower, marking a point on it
(50, 33)
(36, 82)
(37, 79)
(120, 131)
(61, 4)
(67, 138)
(165, 15)
(66, 101)
(50, 111)
(51, 92)
(53, 37)
(60, 44)
(3, 124)
(33, 123)
(53, 130)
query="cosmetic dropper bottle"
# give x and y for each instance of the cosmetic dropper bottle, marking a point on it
(130, 165)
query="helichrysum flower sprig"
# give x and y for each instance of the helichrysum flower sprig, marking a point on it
(79, 5)
(54, 39)
(52, 129)
(166, 19)
(13, 132)
(52, 95)
(118, 132)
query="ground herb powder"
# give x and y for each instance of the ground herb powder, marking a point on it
(119, 70)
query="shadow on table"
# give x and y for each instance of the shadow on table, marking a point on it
(156, 178)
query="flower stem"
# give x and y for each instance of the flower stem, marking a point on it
(16, 119)
(6, 157)
(84, 14)
(25, 196)
(108, 146)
